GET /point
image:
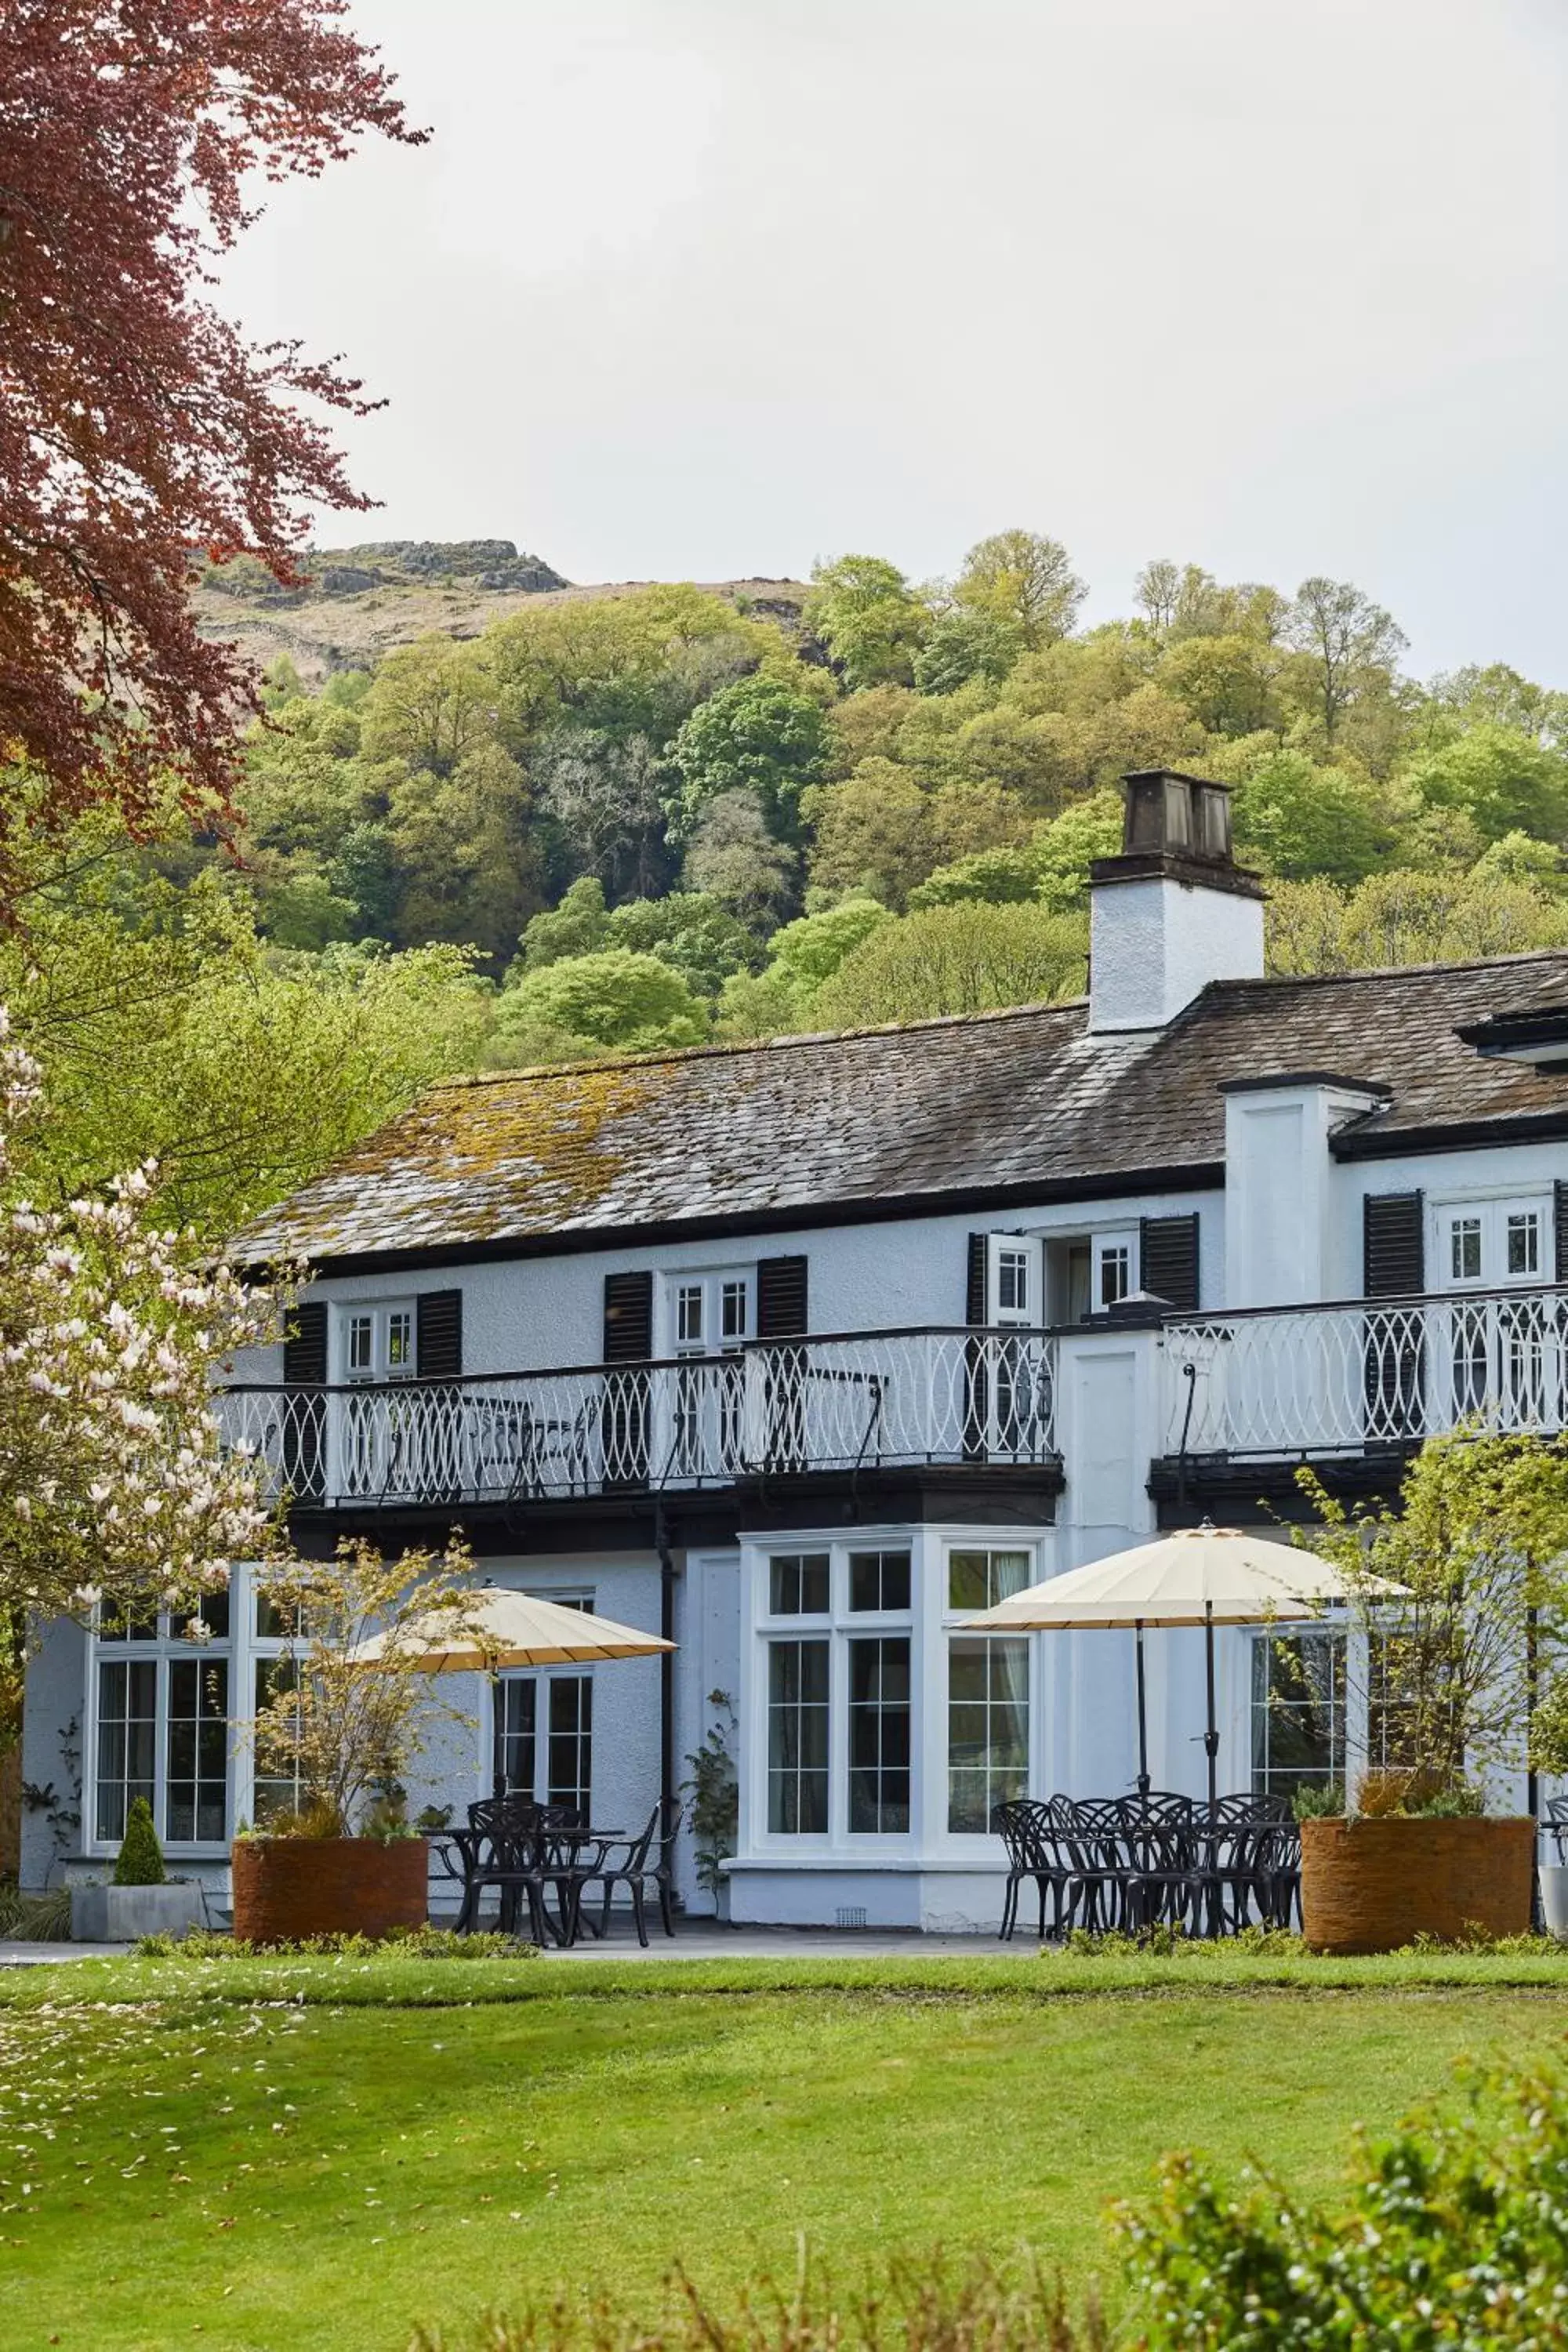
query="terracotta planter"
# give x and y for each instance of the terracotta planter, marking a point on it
(1373, 1885)
(288, 1889)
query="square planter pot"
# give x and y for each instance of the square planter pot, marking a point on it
(287, 1889)
(1374, 1885)
(121, 1915)
(1554, 1899)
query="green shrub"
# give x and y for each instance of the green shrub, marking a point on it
(919, 2307)
(35, 1918)
(140, 1861)
(407, 1943)
(1452, 2233)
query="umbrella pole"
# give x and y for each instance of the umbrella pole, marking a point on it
(1142, 1722)
(1211, 1737)
(497, 1751)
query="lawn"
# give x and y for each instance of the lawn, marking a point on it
(319, 2154)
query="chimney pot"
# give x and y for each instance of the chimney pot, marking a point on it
(1174, 910)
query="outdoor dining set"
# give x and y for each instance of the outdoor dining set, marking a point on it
(566, 1873)
(1138, 1862)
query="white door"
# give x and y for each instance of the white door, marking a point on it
(1499, 1348)
(1018, 1370)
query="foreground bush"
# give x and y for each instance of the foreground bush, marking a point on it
(920, 2307)
(1452, 2234)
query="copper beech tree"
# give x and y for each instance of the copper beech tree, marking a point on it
(139, 427)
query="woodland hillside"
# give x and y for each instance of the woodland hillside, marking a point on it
(491, 819)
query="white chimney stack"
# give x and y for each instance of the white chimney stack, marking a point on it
(1174, 910)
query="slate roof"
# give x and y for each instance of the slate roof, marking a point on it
(943, 1113)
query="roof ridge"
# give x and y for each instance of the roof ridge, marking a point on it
(715, 1049)
(1386, 970)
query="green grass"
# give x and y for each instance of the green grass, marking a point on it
(314, 2153)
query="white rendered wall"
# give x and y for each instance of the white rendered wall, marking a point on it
(1154, 943)
(1280, 1201)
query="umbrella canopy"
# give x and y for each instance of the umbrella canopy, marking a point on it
(1199, 1576)
(1205, 1576)
(501, 1628)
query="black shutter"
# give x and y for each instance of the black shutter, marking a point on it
(977, 1386)
(1394, 1266)
(629, 1318)
(629, 1341)
(974, 1287)
(780, 1297)
(305, 1345)
(439, 1334)
(1393, 1252)
(304, 1417)
(1168, 1260)
(782, 1314)
(1560, 1213)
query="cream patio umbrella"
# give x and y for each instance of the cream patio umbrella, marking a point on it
(1205, 1576)
(496, 1627)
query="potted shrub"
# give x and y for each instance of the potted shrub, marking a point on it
(1454, 1665)
(714, 1793)
(341, 1728)
(140, 1899)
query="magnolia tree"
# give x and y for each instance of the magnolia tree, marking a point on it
(113, 1478)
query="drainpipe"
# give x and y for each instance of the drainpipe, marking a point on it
(665, 1661)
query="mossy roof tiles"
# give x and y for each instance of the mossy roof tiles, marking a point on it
(954, 1108)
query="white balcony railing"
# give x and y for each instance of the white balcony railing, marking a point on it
(872, 1401)
(1339, 1379)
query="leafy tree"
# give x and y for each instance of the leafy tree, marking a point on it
(866, 726)
(619, 665)
(428, 704)
(1404, 917)
(1226, 682)
(299, 908)
(691, 932)
(613, 996)
(139, 422)
(872, 833)
(1346, 642)
(1064, 850)
(575, 927)
(1502, 780)
(1022, 579)
(1298, 819)
(140, 1861)
(966, 818)
(964, 958)
(760, 735)
(868, 617)
(810, 950)
(607, 794)
(364, 870)
(758, 1004)
(963, 645)
(735, 858)
(998, 877)
(469, 849)
(1497, 696)
(1515, 857)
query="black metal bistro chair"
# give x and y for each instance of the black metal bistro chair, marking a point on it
(638, 1864)
(1024, 1826)
(514, 1845)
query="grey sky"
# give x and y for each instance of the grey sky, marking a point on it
(685, 288)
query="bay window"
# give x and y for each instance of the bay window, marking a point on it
(987, 1689)
(837, 1628)
(159, 1703)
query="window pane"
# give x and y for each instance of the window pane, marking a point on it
(1297, 1711)
(399, 1341)
(127, 1712)
(361, 1343)
(1013, 1281)
(879, 1736)
(735, 1318)
(570, 1743)
(1465, 1249)
(196, 1762)
(878, 1580)
(689, 1313)
(978, 1579)
(797, 1738)
(987, 1728)
(275, 1792)
(1524, 1243)
(517, 1724)
(798, 1584)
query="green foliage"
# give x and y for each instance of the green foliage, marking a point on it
(1295, 818)
(1024, 580)
(947, 959)
(869, 619)
(760, 735)
(998, 877)
(689, 931)
(810, 950)
(1451, 2232)
(1404, 917)
(1462, 1593)
(1064, 850)
(963, 645)
(635, 1002)
(734, 859)
(140, 1861)
(714, 1793)
(575, 926)
(401, 1943)
(873, 833)
(1501, 779)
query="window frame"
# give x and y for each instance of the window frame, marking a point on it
(165, 1648)
(955, 1621)
(379, 1315)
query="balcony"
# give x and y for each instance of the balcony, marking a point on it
(859, 1403)
(1363, 1375)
